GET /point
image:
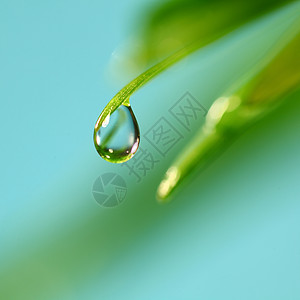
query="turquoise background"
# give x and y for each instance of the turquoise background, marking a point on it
(231, 233)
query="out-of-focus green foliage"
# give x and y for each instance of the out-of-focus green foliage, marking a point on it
(232, 113)
(178, 23)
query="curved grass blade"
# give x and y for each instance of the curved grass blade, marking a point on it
(122, 97)
(223, 22)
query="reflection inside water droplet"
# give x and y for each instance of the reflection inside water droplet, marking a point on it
(118, 137)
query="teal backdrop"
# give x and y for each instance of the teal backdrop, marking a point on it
(232, 232)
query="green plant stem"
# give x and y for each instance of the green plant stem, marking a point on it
(123, 95)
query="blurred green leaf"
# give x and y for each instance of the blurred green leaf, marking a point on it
(232, 113)
(178, 23)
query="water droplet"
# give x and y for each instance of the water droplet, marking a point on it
(118, 137)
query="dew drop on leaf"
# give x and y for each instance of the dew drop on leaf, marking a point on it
(118, 137)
